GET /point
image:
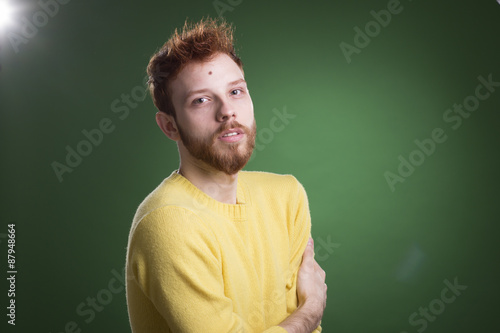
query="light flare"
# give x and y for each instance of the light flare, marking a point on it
(6, 12)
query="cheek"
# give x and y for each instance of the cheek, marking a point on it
(188, 126)
(199, 127)
(244, 104)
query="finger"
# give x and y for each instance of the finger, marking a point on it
(308, 257)
(321, 274)
(319, 270)
(310, 245)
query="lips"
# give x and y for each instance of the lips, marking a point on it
(230, 132)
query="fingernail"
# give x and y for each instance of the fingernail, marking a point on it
(310, 242)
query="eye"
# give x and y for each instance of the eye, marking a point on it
(236, 92)
(200, 100)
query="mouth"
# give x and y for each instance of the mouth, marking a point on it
(232, 135)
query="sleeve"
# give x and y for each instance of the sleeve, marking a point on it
(176, 262)
(299, 233)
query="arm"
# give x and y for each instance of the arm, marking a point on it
(175, 260)
(311, 291)
(307, 281)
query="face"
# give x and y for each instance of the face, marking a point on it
(214, 114)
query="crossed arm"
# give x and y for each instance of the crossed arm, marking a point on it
(191, 298)
(311, 293)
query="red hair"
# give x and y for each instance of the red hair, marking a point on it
(197, 42)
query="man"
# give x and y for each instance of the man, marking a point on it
(213, 248)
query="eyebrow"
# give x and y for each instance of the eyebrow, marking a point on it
(190, 93)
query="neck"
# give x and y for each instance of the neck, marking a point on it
(217, 184)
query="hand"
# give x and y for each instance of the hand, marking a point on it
(311, 293)
(311, 287)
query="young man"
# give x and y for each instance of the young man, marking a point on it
(213, 248)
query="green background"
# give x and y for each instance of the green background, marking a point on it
(391, 250)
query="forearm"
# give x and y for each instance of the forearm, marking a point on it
(302, 320)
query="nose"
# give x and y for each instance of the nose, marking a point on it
(225, 111)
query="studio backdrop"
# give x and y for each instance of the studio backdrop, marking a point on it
(387, 111)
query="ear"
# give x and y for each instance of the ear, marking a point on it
(168, 125)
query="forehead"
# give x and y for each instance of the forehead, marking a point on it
(214, 73)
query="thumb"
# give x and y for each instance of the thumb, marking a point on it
(309, 251)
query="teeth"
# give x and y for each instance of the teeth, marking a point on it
(230, 134)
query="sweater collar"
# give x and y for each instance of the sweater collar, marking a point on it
(201, 200)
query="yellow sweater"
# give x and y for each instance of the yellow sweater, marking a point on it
(195, 264)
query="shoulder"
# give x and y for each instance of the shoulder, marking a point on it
(167, 207)
(170, 229)
(170, 236)
(269, 179)
(166, 222)
(170, 192)
(273, 186)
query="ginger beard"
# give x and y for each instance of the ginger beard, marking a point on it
(227, 157)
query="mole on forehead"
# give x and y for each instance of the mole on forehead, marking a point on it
(210, 73)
